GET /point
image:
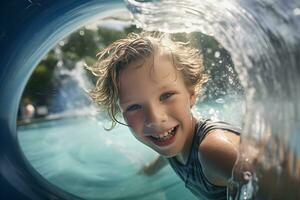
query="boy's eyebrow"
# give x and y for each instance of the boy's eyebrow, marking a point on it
(166, 87)
(126, 101)
(129, 99)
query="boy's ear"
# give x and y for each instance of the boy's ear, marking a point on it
(193, 96)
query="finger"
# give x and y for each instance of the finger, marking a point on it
(297, 166)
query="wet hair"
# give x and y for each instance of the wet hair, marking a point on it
(118, 55)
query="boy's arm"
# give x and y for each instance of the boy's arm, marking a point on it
(153, 167)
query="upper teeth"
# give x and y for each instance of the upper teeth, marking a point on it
(164, 134)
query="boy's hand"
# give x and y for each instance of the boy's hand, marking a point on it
(267, 180)
(146, 170)
(153, 167)
(281, 181)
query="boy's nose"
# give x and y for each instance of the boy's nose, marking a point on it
(155, 116)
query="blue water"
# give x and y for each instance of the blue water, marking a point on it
(79, 156)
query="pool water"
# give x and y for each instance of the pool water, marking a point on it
(79, 156)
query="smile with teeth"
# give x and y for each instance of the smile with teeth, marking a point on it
(165, 135)
(164, 138)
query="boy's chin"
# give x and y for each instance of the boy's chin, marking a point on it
(166, 154)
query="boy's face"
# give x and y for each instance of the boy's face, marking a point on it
(156, 104)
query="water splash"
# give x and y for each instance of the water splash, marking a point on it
(73, 84)
(263, 39)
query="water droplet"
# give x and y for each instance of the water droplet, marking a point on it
(217, 54)
(81, 32)
(61, 43)
(296, 11)
(220, 100)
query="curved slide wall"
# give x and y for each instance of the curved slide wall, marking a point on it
(28, 30)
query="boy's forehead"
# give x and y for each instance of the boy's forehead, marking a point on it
(151, 60)
(155, 68)
(156, 71)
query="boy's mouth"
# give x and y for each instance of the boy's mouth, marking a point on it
(165, 138)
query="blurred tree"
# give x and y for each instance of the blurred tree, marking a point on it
(40, 84)
(223, 79)
(80, 44)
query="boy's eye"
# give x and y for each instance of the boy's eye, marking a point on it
(166, 95)
(133, 107)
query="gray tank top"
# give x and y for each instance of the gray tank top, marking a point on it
(191, 173)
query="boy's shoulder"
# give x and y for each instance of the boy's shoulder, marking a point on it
(217, 150)
(205, 126)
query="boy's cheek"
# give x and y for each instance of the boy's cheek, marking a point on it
(133, 121)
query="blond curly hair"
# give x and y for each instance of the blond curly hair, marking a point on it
(118, 55)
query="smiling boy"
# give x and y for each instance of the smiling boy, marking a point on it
(154, 82)
(157, 107)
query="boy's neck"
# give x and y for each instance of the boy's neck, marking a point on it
(184, 155)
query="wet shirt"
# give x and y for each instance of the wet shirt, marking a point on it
(191, 173)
